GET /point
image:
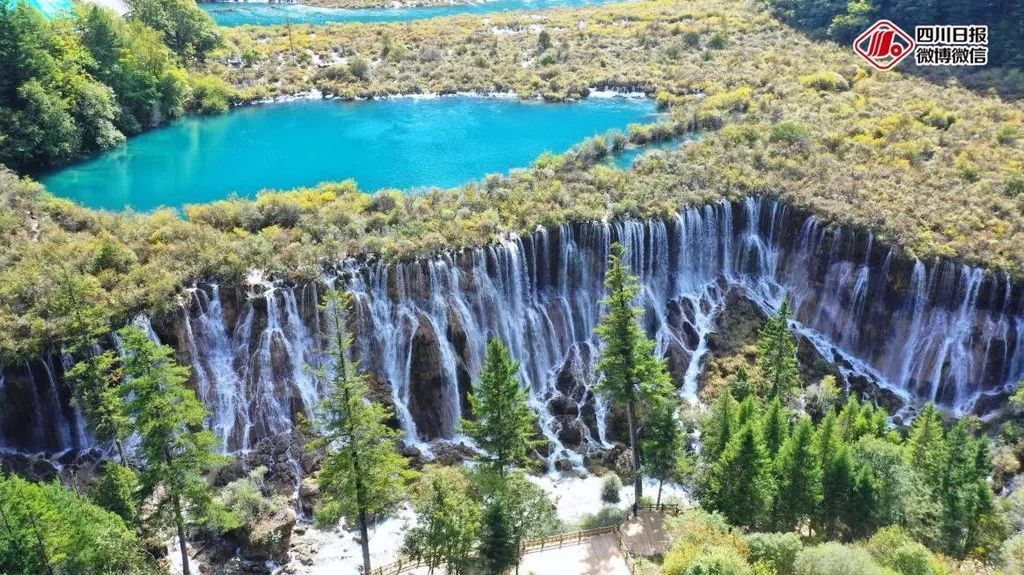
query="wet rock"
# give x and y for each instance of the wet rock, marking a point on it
(427, 383)
(28, 467)
(449, 453)
(269, 539)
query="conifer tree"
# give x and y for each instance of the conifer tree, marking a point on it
(632, 374)
(663, 448)
(741, 385)
(775, 426)
(363, 474)
(722, 424)
(847, 420)
(750, 410)
(838, 484)
(776, 356)
(94, 377)
(498, 550)
(504, 426)
(926, 446)
(173, 441)
(740, 483)
(828, 438)
(797, 479)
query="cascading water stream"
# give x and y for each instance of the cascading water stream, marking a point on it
(936, 330)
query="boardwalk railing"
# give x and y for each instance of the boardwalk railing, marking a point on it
(405, 565)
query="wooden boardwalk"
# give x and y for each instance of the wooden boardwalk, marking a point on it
(596, 556)
(645, 534)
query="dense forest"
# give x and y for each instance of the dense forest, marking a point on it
(843, 20)
(76, 85)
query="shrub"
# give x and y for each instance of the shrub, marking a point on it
(210, 95)
(1014, 186)
(718, 561)
(359, 68)
(246, 499)
(836, 559)
(777, 549)
(610, 488)
(604, 518)
(737, 100)
(1013, 554)
(117, 492)
(718, 40)
(789, 133)
(1007, 135)
(741, 134)
(826, 80)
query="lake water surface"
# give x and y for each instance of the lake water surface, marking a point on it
(265, 14)
(394, 143)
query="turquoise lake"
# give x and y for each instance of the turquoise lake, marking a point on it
(49, 8)
(265, 14)
(397, 143)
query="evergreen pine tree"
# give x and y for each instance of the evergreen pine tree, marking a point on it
(847, 420)
(722, 424)
(776, 356)
(838, 484)
(663, 448)
(926, 446)
(632, 374)
(504, 425)
(859, 516)
(798, 479)
(749, 410)
(775, 426)
(497, 545)
(363, 474)
(173, 442)
(739, 485)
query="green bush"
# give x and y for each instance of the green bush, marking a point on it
(610, 488)
(606, 517)
(790, 133)
(826, 80)
(117, 492)
(741, 134)
(211, 95)
(718, 40)
(359, 68)
(836, 559)
(719, 561)
(777, 549)
(1014, 186)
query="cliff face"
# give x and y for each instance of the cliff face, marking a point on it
(924, 330)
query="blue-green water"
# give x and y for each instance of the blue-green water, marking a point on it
(264, 14)
(400, 143)
(49, 8)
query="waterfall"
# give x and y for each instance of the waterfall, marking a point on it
(924, 330)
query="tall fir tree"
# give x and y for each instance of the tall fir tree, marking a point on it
(173, 442)
(363, 474)
(663, 446)
(721, 426)
(838, 483)
(632, 374)
(750, 410)
(926, 446)
(740, 484)
(504, 426)
(775, 426)
(776, 356)
(797, 479)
